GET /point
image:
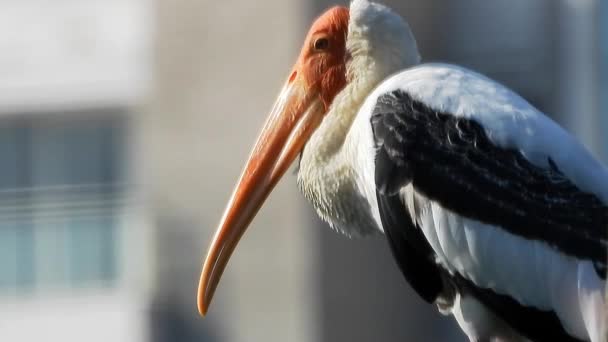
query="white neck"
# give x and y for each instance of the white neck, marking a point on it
(327, 176)
(380, 43)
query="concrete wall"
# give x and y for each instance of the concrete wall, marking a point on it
(219, 66)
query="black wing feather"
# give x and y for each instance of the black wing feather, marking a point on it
(411, 250)
(452, 161)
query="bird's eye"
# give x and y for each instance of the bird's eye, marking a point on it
(321, 44)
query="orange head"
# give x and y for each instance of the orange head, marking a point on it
(321, 63)
(318, 75)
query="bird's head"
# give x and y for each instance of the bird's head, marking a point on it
(366, 42)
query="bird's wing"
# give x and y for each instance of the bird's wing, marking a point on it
(487, 204)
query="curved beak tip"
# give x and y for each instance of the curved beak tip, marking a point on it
(201, 304)
(204, 292)
(202, 308)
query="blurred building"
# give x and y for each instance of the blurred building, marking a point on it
(124, 125)
(73, 251)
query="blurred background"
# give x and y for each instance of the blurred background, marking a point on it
(125, 123)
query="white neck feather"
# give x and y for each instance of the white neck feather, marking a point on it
(326, 175)
(380, 43)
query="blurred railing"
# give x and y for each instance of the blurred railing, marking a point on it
(60, 236)
(54, 202)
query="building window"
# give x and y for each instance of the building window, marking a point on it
(603, 67)
(61, 194)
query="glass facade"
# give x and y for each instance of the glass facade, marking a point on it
(61, 191)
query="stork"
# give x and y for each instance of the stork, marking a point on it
(492, 211)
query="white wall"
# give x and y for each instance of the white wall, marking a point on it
(91, 317)
(67, 53)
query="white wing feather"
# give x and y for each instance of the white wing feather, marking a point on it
(529, 271)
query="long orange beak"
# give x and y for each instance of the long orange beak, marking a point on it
(294, 117)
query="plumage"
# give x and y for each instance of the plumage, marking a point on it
(509, 202)
(515, 225)
(493, 212)
(451, 161)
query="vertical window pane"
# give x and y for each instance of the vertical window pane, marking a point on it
(91, 250)
(49, 155)
(8, 255)
(51, 255)
(84, 146)
(14, 138)
(25, 255)
(107, 241)
(16, 256)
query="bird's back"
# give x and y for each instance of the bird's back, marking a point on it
(475, 246)
(509, 120)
